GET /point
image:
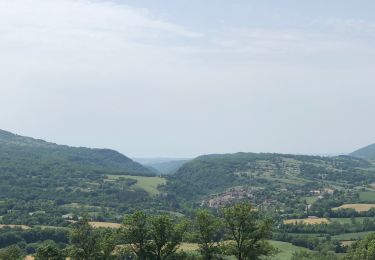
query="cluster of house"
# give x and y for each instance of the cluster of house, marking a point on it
(322, 192)
(227, 197)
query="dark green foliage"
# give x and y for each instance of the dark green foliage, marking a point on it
(10, 236)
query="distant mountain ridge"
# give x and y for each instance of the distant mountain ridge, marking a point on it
(367, 152)
(20, 153)
(163, 165)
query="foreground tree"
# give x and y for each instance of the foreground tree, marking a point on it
(136, 233)
(84, 242)
(165, 237)
(248, 231)
(107, 243)
(208, 229)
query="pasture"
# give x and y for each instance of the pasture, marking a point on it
(351, 236)
(367, 196)
(149, 184)
(356, 207)
(286, 250)
(349, 220)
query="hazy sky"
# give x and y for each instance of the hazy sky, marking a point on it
(189, 77)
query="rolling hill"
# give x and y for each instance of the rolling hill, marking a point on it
(56, 179)
(19, 154)
(212, 174)
(367, 152)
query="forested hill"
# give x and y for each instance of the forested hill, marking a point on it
(367, 152)
(210, 174)
(25, 155)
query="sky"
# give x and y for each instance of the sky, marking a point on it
(183, 78)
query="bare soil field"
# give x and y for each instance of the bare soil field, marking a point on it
(15, 226)
(310, 221)
(96, 224)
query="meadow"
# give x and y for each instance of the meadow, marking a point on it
(149, 184)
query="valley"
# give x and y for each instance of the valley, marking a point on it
(313, 201)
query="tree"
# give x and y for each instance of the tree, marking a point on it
(11, 253)
(83, 240)
(248, 232)
(49, 251)
(136, 233)
(208, 228)
(363, 249)
(165, 236)
(107, 243)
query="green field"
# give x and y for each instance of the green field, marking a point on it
(310, 199)
(352, 236)
(367, 196)
(286, 250)
(149, 184)
(349, 220)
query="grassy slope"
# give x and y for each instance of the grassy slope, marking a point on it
(286, 250)
(352, 236)
(149, 184)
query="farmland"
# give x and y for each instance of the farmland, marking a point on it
(307, 221)
(356, 207)
(97, 224)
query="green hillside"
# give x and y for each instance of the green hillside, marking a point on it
(45, 177)
(211, 174)
(367, 152)
(21, 155)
